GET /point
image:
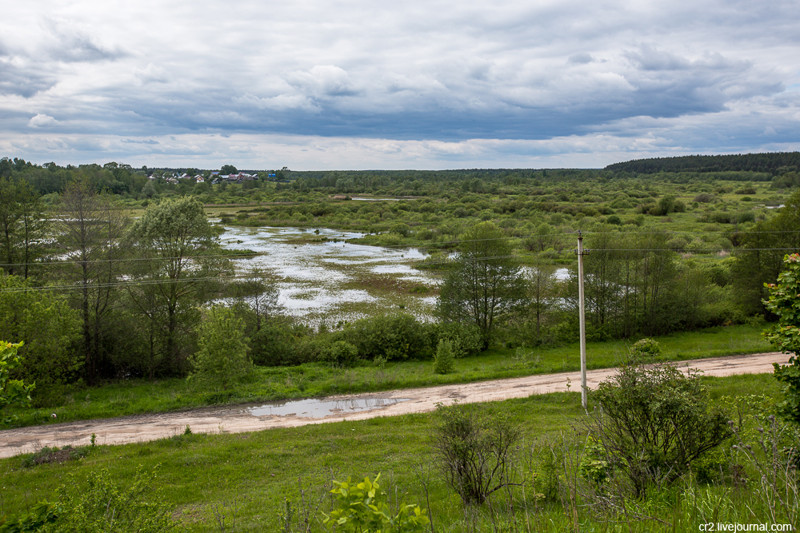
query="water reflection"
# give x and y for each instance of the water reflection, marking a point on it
(322, 408)
(318, 271)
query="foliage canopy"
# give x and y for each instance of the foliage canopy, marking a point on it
(784, 301)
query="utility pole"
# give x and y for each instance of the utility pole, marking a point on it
(582, 321)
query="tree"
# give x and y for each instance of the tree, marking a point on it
(761, 257)
(91, 231)
(222, 355)
(176, 243)
(12, 391)
(784, 301)
(541, 293)
(228, 169)
(260, 293)
(49, 328)
(21, 225)
(630, 285)
(484, 284)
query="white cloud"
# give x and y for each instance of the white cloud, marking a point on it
(39, 121)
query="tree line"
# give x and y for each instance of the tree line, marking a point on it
(770, 163)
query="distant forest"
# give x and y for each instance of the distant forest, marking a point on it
(772, 163)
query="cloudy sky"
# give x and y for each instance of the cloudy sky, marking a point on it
(363, 84)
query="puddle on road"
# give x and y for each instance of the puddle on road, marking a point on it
(322, 408)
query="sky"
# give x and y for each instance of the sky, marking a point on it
(412, 84)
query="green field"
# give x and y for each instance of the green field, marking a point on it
(248, 477)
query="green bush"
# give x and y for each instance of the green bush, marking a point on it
(654, 422)
(396, 337)
(465, 339)
(340, 353)
(785, 335)
(474, 452)
(444, 360)
(99, 504)
(645, 349)
(222, 358)
(362, 507)
(49, 328)
(12, 391)
(275, 343)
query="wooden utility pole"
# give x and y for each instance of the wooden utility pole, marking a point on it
(582, 321)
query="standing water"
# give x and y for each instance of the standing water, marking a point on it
(321, 277)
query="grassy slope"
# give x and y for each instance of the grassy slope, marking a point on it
(309, 380)
(247, 476)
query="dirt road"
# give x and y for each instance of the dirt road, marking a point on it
(242, 418)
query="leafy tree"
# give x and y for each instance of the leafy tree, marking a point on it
(228, 169)
(221, 359)
(176, 243)
(21, 225)
(784, 301)
(91, 230)
(761, 258)
(12, 391)
(630, 285)
(49, 328)
(485, 283)
(260, 292)
(541, 296)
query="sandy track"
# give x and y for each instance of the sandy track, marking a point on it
(236, 419)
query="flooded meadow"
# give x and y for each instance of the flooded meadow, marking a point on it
(323, 278)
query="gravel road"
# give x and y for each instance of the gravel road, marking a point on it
(242, 418)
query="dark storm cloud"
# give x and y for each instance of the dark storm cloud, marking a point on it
(479, 80)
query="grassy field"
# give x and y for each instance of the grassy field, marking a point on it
(244, 480)
(316, 379)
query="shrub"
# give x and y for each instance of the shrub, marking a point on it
(474, 452)
(100, 504)
(653, 422)
(705, 198)
(785, 335)
(443, 361)
(361, 507)
(49, 328)
(340, 353)
(222, 358)
(275, 343)
(12, 391)
(645, 349)
(465, 339)
(396, 337)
